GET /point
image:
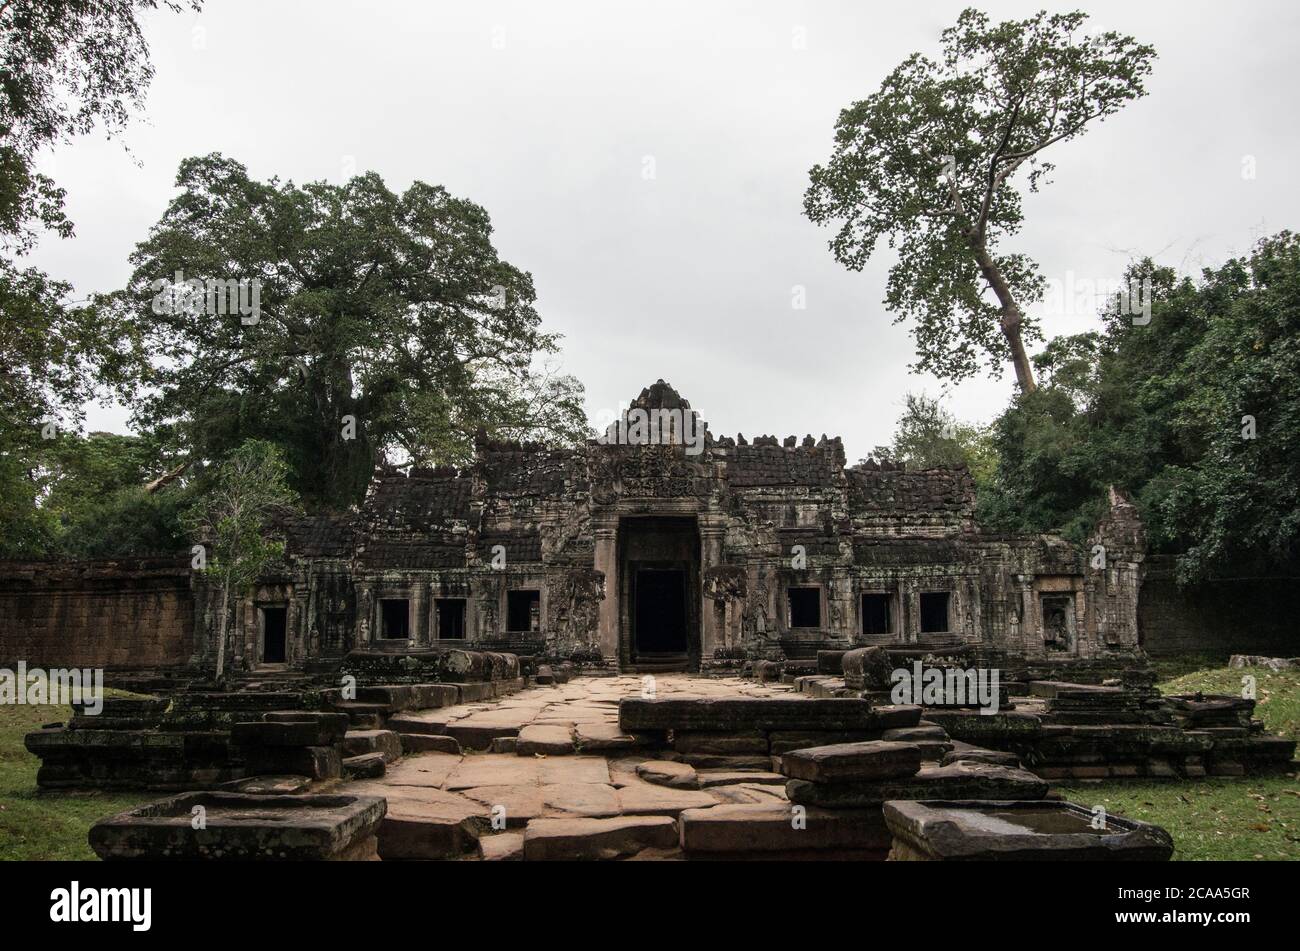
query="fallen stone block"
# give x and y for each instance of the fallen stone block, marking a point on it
(707, 761)
(568, 839)
(428, 743)
(434, 825)
(958, 781)
(867, 668)
(668, 773)
(243, 827)
(544, 740)
(603, 737)
(645, 799)
(357, 742)
(848, 762)
(1018, 831)
(502, 847)
(738, 829)
(365, 766)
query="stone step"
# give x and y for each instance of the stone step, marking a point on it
(364, 766)
(434, 825)
(959, 781)
(759, 713)
(359, 742)
(428, 743)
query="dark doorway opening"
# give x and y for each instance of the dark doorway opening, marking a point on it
(660, 622)
(875, 614)
(934, 612)
(395, 619)
(451, 618)
(274, 627)
(523, 611)
(805, 607)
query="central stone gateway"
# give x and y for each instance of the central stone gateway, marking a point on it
(658, 546)
(659, 593)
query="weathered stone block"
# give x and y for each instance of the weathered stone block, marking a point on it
(568, 839)
(1018, 831)
(755, 713)
(243, 827)
(847, 762)
(958, 781)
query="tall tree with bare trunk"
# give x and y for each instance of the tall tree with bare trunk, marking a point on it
(933, 162)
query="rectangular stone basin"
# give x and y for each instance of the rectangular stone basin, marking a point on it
(234, 826)
(965, 830)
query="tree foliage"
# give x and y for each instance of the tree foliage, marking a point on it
(929, 436)
(929, 163)
(393, 310)
(65, 69)
(1162, 411)
(236, 522)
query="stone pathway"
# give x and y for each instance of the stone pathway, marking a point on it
(547, 773)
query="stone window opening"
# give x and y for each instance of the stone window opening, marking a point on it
(395, 619)
(450, 617)
(934, 612)
(523, 611)
(805, 607)
(877, 618)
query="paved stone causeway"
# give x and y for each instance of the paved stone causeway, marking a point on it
(564, 781)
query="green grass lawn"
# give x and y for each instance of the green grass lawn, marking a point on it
(1233, 819)
(36, 825)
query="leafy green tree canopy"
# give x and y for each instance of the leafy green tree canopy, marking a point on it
(929, 163)
(349, 323)
(65, 68)
(1196, 415)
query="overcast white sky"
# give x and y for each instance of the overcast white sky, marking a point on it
(544, 113)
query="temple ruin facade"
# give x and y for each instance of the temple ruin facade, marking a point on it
(659, 547)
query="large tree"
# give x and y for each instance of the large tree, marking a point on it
(387, 327)
(931, 163)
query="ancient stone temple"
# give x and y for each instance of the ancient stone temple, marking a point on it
(660, 546)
